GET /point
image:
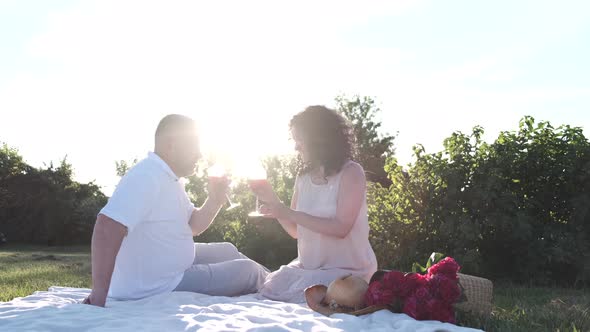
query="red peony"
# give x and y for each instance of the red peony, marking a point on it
(448, 266)
(422, 297)
(441, 311)
(411, 282)
(411, 307)
(378, 295)
(394, 281)
(445, 288)
(422, 294)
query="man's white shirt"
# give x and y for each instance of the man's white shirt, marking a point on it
(150, 200)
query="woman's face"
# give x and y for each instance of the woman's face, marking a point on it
(299, 145)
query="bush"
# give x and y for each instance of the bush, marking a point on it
(45, 206)
(516, 209)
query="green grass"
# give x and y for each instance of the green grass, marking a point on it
(521, 308)
(25, 269)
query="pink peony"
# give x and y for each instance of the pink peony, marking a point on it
(448, 266)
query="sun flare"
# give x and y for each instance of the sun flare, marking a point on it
(239, 142)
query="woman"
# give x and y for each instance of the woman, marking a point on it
(328, 213)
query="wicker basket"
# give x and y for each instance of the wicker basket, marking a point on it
(478, 292)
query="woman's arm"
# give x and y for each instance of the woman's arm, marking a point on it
(289, 226)
(351, 196)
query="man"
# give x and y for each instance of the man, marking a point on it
(142, 244)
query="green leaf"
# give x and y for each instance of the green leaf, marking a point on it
(417, 268)
(434, 258)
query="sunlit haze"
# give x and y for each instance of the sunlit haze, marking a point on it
(91, 79)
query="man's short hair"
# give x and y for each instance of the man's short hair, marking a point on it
(176, 125)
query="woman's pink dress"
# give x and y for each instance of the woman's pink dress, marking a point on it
(322, 258)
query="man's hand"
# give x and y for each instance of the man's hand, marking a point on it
(218, 188)
(201, 218)
(96, 298)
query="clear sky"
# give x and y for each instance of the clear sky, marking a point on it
(91, 79)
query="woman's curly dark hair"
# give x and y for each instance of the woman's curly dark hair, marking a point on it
(328, 138)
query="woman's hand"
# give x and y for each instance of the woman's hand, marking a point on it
(276, 210)
(272, 206)
(263, 190)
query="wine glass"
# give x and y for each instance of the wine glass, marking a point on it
(256, 177)
(217, 173)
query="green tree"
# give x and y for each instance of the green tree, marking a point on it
(517, 208)
(11, 162)
(373, 146)
(122, 166)
(45, 206)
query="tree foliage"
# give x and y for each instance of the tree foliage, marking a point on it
(517, 208)
(122, 166)
(45, 206)
(374, 147)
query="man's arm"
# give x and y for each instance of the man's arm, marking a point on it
(203, 217)
(107, 237)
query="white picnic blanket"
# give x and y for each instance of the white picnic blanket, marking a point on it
(59, 309)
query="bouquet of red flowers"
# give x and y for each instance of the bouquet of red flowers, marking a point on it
(427, 296)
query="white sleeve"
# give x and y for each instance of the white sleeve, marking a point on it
(133, 199)
(189, 206)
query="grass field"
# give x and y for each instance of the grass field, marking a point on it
(25, 269)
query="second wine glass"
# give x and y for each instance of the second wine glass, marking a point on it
(218, 173)
(257, 178)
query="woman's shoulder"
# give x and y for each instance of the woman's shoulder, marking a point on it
(352, 166)
(352, 169)
(300, 179)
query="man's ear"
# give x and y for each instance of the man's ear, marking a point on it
(169, 144)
